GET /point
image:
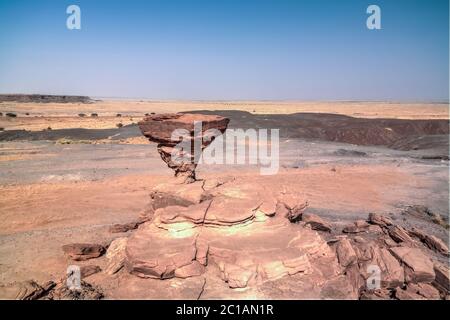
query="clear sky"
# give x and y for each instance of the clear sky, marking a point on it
(225, 49)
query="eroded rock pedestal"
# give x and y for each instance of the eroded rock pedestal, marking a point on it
(196, 131)
(228, 232)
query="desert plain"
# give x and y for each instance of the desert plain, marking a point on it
(79, 172)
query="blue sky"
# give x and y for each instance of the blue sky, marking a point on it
(218, 50)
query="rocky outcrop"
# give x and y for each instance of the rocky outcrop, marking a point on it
(83, 251)
(225, 236)
(225, 225)
(181, 138)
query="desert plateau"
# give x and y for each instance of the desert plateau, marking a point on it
(358, 184)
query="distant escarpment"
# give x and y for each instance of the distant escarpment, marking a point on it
(44, 98)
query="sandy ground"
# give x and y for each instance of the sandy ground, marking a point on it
(64, 194)
(65, 115)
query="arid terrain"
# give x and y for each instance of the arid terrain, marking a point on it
(69, 172)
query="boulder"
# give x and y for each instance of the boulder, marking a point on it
(418, 267)
(83, 251)
(399, 234)
(378, 219)
(356, 227)
(115, 255)
(391, 272)
(345, 253)
(316, 222)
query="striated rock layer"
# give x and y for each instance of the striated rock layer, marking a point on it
(181, 138)
(224, 238)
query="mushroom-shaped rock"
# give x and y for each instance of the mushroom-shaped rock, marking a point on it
(181, 138)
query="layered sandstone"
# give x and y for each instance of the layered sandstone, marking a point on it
(181, 137)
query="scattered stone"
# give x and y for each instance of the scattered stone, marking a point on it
(431, 241)
(418, 267)
(119, 125)
(374, 228)
(356, 227)
(379, 294)
(316, 222)
(116, 255)
(399, 234)
(83, 251)
(89, 270)
(11, 115)
(86, 292)
(194, 129)
(118, 115)
(82, 115)
(345, 253)
(120, 228)
(378, 219)
(94, 115)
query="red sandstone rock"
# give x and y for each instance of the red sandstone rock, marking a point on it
(431, 241)
(442, 280)
(356, 227)
(316, 222)
(399, 234)
(379, 294)
(161, 129)
(120, 228)
(83, 251)
(419, 291)
(418, 267)
(26, 290)
(378, 219)
(115, 255)
(345, 253)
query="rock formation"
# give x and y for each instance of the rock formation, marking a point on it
(181, 138)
